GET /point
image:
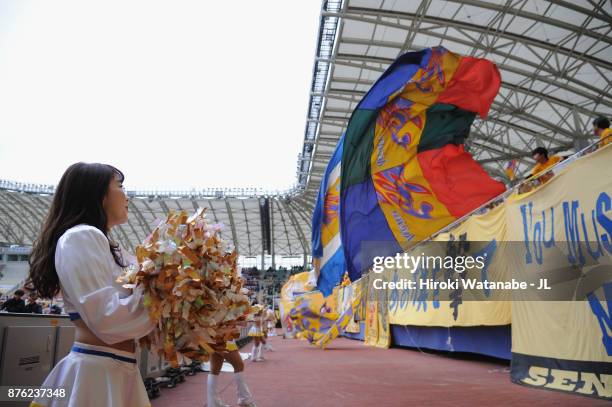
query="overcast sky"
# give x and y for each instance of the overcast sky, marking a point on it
(177, 94)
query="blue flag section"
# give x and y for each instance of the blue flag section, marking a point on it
(326, 240)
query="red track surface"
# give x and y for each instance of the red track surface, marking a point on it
(351, 374)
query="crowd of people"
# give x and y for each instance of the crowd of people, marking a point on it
(31, 305)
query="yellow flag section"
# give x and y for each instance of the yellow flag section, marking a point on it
(349, 295)
(294, 287)
(565, 345)
(309, 315)
(479, 235)
(313, 315)
(348, 299)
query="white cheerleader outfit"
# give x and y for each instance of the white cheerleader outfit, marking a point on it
(271, 330)
(271, 322)
(97, 376)
(255, 330)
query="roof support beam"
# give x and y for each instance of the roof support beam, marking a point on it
(297, 227)
(272, 242)
(164, 207)
(554, 81)
(22, 214)
(280, 211)
(246, 222)
(358, 13)
(146, 228)
(504, 85)
(125, 241)
(232, 225)
(153, 214)
(10, 233)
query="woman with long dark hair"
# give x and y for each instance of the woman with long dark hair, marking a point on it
(74, 254)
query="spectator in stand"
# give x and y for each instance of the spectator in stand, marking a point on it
(55, 309)
(601, 128)
(15, 304)
(33, 307)
(543, 162)
(540, 155)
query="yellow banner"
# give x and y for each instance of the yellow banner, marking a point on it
(566, 229)
(575, 217)
(486, 234)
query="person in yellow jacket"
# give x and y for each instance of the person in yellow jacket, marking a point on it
(543, 161)
(601, 128)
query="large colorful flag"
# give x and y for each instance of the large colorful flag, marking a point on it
(326, 243)
(405, 173)
(321, 320)
(297, 285)
(313, 316)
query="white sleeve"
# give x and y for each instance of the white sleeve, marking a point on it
(86, 276)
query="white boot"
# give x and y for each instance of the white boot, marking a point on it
(254, 353)
(212, 399)
(260, 351)
(269, 347)
(245, 398)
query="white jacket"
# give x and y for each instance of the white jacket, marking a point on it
(87, 272)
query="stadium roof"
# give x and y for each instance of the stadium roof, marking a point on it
(554, 58)
(243, 212)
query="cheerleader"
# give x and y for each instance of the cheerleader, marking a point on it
(232, 355)
(256, 332)
(271, 323)
(269, 327)
(74, 254)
